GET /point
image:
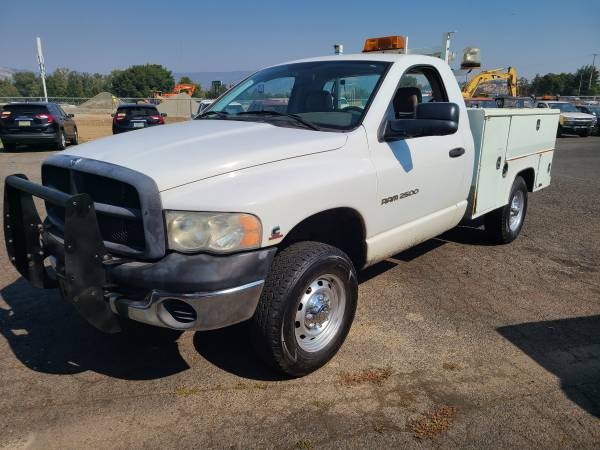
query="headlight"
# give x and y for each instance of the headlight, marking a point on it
(214, 232)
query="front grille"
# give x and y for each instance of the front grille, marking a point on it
(128, 233)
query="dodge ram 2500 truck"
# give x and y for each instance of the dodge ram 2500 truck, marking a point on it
(266, 214)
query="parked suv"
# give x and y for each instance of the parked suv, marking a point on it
(36, 123)
(133, 116)
(595, 111)
(571, 120)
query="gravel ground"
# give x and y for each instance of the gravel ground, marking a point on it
(456, 344)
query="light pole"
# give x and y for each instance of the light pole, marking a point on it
(592, 71)
(40, 58)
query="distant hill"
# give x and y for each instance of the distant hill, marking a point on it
(204, 79)
(6, 73)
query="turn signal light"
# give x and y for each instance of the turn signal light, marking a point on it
(381, 44)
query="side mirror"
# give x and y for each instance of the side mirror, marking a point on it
(112, 114)
(431, 119)
(71, 115)
(163, 114)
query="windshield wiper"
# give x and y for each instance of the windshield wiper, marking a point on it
(296, 117)
(220, 114)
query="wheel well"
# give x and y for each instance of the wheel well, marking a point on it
(529, 176)
(341, 227)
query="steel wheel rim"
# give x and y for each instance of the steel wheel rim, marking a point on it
(517, 205)
(320, 313)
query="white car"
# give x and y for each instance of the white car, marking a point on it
(571, 119)
(267, 216)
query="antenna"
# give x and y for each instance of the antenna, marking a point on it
(40, 58)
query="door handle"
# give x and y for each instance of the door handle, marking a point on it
(456, 152)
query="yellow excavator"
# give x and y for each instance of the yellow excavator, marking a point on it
(469, 89)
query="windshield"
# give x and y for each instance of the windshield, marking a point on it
(564, 107)
(481, 103)
(331, 95)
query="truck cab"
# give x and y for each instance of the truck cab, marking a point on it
(267, 215)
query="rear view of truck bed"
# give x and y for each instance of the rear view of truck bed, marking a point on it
(510, 142)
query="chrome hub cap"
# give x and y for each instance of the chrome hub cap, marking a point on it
(516, 211)
(320, 313)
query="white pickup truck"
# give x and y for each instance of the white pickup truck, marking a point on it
(267, 213)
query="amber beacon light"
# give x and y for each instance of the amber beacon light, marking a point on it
(381, 44)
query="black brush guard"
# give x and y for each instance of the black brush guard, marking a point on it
(83, 280)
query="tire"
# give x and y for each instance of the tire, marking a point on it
(585, 133)
(75, 139)
(503, 225)
(559, 131)
(61, 142)
(313, 282)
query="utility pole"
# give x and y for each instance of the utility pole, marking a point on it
(592, 71)
(40, 58)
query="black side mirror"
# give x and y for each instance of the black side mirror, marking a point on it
(431, 119)
(163, 114)
(71, 115)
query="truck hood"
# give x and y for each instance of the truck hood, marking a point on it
(576, 115)
(185, 152)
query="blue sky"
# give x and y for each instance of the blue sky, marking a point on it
(98, 36)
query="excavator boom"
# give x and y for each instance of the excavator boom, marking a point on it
(510, 76)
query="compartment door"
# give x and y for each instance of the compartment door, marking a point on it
(489, 190)
(544, 170)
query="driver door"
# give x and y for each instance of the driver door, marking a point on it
(420, 181)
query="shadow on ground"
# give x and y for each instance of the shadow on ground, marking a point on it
(47, 335)
(569, 349)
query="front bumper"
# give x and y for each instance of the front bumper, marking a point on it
(178, 291)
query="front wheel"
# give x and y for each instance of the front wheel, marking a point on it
(306, 308)
(503, 225)
(61, 143)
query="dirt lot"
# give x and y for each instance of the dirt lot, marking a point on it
(456, 344)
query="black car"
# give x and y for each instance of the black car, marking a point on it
(36, 123)
(133, 117)
(595, 111)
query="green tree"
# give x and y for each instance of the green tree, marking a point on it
(28, 84)
(8, 89)
(56, 83)
(141, 81)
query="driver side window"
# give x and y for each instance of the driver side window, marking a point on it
(421, 84)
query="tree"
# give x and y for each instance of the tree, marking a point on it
(28, 84)
(7, 89)
(56, 83)
(141, 81)
(198, 91)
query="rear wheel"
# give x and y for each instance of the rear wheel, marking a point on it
(306, 308)
(61, 142)
(75, 138)
(503, 225)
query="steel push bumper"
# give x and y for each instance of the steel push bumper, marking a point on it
(84, 278)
